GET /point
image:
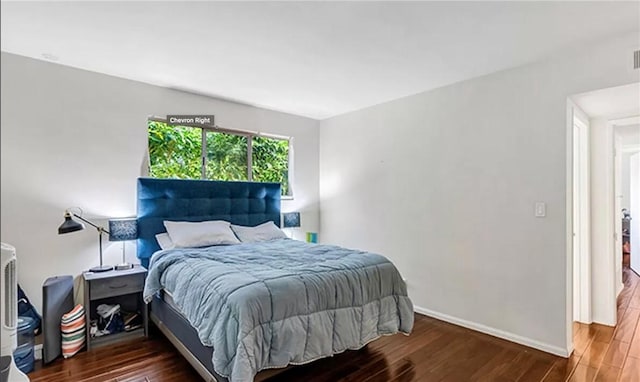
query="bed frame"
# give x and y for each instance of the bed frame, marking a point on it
(242, 203)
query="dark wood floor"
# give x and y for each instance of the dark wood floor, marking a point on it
(435, 351)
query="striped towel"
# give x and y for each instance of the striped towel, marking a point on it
(73, 331)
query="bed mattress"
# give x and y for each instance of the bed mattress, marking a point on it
(270, 304)
(165, 296)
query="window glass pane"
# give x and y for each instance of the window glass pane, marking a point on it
(226, 156)
(174, 151)
(271, 161)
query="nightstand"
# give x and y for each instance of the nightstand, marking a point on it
(115, 287)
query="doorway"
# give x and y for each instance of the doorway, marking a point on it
(627, 192)
(634, 205)
(627, 172)
(594, 208)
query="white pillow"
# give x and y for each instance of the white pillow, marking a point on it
(164, 241)
(262, 232)
(200, 234)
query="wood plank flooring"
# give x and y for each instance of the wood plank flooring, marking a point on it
(603, 353)
(435, 351)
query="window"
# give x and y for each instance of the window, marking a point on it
(206, 153)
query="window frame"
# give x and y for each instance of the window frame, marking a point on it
(248, 134)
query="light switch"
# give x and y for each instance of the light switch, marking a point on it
(541, 209)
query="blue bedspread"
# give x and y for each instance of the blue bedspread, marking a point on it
(281, 302)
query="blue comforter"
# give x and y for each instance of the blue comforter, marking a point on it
(270, 304)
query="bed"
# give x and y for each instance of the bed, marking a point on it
(233, 311)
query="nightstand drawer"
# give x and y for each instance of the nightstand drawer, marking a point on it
(116, 286)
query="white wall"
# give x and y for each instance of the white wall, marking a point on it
(76, 138)
(626, 185)
(604, 283)
(444, 184)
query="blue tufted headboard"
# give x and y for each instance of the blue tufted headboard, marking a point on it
(242, 203)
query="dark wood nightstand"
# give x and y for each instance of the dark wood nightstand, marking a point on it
(115, 287)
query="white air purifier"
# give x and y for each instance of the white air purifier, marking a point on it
(9, 316)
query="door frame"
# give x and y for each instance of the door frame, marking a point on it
(580, 227)
(617, 212)
(569, 287)
(634, 183)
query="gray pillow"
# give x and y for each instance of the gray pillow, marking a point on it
(200, 234)
(262, 232)
(164, 241)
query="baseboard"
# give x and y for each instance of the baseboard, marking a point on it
(494, 332)
(620, 288)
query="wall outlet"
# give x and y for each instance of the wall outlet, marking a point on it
(541, 209)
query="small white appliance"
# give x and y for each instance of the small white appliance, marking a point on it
(9, 315)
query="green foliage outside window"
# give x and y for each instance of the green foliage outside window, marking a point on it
(226, 156)
(271, 161)
(176, 152)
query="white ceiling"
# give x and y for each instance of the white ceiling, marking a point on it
(316, 59)
(630, 135)
(616, 102)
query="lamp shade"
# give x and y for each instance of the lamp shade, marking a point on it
(123, 229)
(69, 225)
(291, 219)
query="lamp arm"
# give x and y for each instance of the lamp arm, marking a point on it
(101, 229)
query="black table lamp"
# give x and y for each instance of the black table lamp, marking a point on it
(69, 225)
(123, 230)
